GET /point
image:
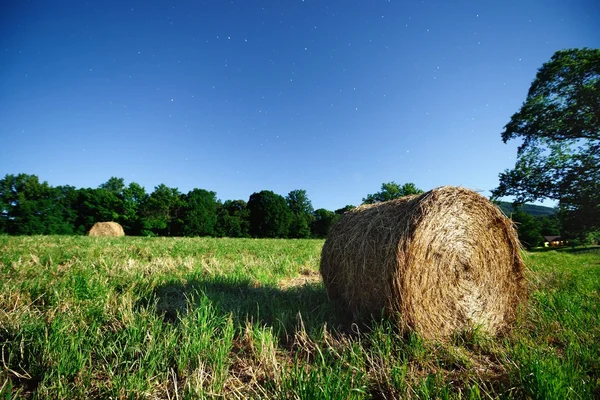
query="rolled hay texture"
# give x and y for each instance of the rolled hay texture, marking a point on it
(106, 229)
(438, 263)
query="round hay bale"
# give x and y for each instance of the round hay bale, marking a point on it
(438, 263)
(106, 229)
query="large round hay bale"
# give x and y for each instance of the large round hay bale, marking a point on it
(106, 229)
(438, 263)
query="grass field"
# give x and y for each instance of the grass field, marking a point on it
(178, 318)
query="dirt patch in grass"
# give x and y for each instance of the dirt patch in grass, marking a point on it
(307, 277)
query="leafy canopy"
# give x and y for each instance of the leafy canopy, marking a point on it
(30, 207)
(233, 219)
(199, 213)
(162, 211)
(270, 216)
(559, 124)
(529, 229)
(391, 191)
(323, 221)
(302, 213)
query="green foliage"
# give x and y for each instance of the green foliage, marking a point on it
(550, 225)
(162, 212)
(200, 213)
(529, 229)
(535, 210)
(302, 214)
(114, 185)
(31, 207)
(96, 205)
(300, 226)
(390, 191)
(559, 124)
(134, 196)
(270, 216)
(298, 202)
(592, 238)
(233, 219)
(324, 220)
(343, 210)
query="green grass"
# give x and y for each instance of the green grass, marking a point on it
(178, 318)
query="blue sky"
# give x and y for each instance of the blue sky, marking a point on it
(335, 97)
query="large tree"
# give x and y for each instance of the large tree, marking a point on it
(269, 215)
(302, 213)
(200, 213)
(114, 185)
(391, 191)
(162, 211)
(134, 196)
(322, 223)
(64, 221)
(559, 124)
(529, 229)
(233, 219)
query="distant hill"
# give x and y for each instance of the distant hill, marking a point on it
(536, 211)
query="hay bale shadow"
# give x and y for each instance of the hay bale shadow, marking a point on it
(245, 300)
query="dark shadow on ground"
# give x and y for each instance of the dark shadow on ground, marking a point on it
(285, 310)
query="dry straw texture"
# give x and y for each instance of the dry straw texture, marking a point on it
(106, 229)
(439, 263)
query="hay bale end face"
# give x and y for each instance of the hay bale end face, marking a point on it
(106, 229)
(439, 263)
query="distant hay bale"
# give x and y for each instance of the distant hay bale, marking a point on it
(106, 229)
(438, 263)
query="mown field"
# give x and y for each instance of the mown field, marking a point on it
(179, 318)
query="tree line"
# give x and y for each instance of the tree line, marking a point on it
(29, 206)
